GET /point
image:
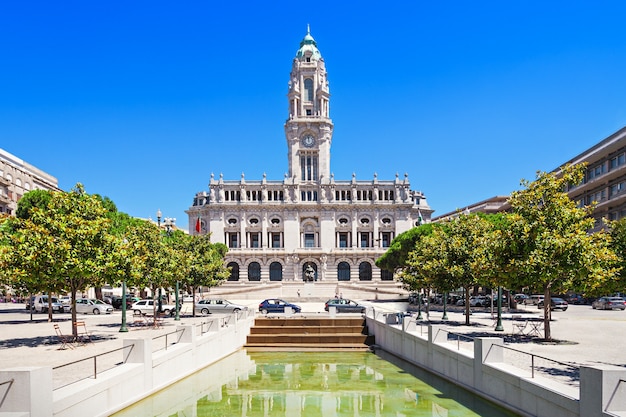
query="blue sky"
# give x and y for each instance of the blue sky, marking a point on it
(142, 100)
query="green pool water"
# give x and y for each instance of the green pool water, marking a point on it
(310, 384)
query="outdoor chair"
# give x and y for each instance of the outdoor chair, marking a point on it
(518, 325)
(66, 341)
(82, 334)
(139, 319)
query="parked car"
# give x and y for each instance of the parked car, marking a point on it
(276, 305)
(92, 305)
(476, 301)
(65, 299)
(609, 303)
(534, 299)
(556, 303)
(147, 307)
(575, 299)
(343, 305)
(40, 305)
(217, 305)
(520, 298)
(116, 301)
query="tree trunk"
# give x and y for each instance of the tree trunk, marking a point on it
(546, 314)
(467, 307)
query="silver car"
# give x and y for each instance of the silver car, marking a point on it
(92, 305)
(217, 305)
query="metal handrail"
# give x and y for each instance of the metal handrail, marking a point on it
(532, 359)
(4, 397)
(95, 360)
(181, 331)
(459, 336)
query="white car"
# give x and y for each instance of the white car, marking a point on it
(40, 305)
(147, 307)
(217, 305)
(92, 305)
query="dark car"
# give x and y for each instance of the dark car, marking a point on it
(609, 303)
(556, 303)
(276, 305)
(343, 305)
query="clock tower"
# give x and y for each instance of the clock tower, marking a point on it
(309, 129)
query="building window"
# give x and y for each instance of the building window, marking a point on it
(385, 239)
(617, 189)
(254, 271)
(364, 240)
(308, 89)
(343, 240)
(276, 271)
(255, 240)
(618, 161)
(365, 271)
(276, 240)
(386, 275)
(234, 271)
(233, 240)
(343, 271)
(309, 240)
(308, 167)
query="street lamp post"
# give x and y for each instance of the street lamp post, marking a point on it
(124, 329)
(499, 326)
(169, 225)
(419, 305)
(160, 301)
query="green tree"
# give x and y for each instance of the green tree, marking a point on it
(550, 247)
(395, 258)
(618, 244)
(30, 200)
(26, 257)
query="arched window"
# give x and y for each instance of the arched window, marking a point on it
(386, 275)
(234, 271)
(343, 271)
(308, 89)
(365, 271)
(276, 271)
(254, 271)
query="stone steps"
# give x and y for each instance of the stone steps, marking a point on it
(319, 333)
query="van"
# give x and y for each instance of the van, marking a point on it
(40, 305)
(534, 299)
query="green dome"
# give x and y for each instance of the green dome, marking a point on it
(308, 44)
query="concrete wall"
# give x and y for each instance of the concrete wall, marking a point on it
(482, 370)
(145, 372)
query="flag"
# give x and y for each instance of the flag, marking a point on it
(198, 225)
(420, 219)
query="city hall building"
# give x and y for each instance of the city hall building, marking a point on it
(307, 226)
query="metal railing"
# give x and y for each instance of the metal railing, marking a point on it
(78, 370)
(168, 340)
(6, 390)
(563, 372)
(459, 338)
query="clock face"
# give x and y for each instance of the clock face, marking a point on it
(308, 141)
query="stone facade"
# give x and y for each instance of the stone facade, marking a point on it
(277, 229)
(17, 178)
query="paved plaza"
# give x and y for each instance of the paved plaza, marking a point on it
(582, 335)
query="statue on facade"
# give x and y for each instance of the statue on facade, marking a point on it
(309, 273)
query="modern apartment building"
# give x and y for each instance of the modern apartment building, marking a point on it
(604, 182)
(278, 229)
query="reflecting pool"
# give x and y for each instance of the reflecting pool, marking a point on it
(311, 384)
